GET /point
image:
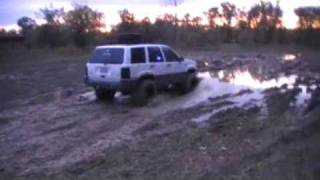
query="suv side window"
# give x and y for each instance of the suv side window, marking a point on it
(138, 55)
(155, 54)
(170, 55)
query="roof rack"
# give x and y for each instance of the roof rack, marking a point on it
(124, 38)
(129, 38)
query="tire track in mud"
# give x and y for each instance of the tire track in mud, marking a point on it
(75, 130)
(67, 132)
(49, 138)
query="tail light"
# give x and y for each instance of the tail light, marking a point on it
(125, 73)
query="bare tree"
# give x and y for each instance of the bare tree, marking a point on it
(128, 21)
(309, 25)
(228, 13)
(212, 14)
(51, 15)
(196, 22)
(175, 3)
(83, 20)
(309, 17)
(186, 21)
(265, 18)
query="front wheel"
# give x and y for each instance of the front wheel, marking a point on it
(103, 94)
(187, 84)
(145, 90)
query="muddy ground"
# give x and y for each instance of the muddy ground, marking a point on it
(253, 115)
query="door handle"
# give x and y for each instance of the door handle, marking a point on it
(152, 66)
(168, 65)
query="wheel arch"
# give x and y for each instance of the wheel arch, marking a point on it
(146, 76)
(191, 70)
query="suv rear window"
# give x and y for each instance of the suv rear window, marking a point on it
(138, 55)
(155, 54)
(107, 56)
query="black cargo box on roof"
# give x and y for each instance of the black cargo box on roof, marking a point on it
(129, 38)
(126, 38)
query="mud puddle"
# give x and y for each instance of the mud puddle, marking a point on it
(243, 87)
(247, 90)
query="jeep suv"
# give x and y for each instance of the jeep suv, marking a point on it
(139, 70)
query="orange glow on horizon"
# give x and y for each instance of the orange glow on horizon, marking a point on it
(193, 7)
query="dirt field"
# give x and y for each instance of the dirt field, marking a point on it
(253, 115)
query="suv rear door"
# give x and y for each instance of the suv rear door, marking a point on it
(138, 62)
(104, 64)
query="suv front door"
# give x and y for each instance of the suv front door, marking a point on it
(174, 66)
(157, 65)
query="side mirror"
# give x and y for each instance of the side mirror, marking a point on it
(180, 59)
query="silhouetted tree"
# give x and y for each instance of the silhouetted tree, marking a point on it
(165, 28)
(127, 21)
(309, 25)
(147, 29)
(212, 15)
(175, 3)
(26, 24)
(169, 18)
(186, 21)
(265, 18)
(309, 17)
(262, 23)
(228, 13)
(28, 27)
(243, 32)
(196, 22)
(83, 21)
(242, 19)
(51, 15)
(51, 33)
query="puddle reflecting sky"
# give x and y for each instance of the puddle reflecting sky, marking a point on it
(245, 78)
(231, 82)
(220, 83)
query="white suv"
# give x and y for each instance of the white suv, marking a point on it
(139, 70)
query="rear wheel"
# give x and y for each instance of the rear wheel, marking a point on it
(145, 90)
(103, 94)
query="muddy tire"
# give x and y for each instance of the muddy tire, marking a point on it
(145, 90)
(103, 94)
(188, 84)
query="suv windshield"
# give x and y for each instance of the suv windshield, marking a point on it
(108, 56)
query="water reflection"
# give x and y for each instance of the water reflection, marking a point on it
(289, 57)
(245, 78)
(238, 80)
(262, 89)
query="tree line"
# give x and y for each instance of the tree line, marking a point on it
(262, 23)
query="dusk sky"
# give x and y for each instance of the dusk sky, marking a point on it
(11, 10)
